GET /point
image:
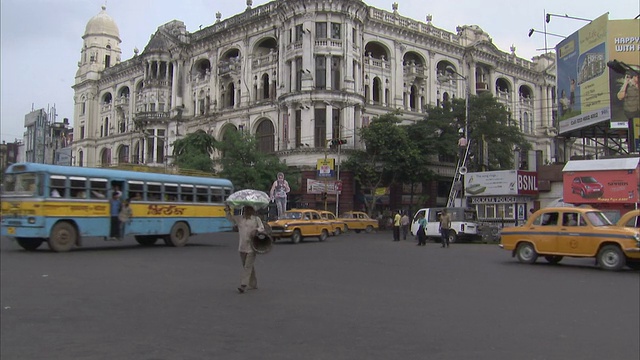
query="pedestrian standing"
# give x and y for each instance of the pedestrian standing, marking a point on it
(124, 216)
(404, 222)
(445, 226)
(247, 223)
(421, 234)
(396, 226)
(114, 210)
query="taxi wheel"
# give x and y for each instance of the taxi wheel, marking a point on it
(526, 253)
(337, 232)
(296, 237)
(346, 229)
(179, 235)
(323, 235)
(63, 237)
(369, 229)
(553, 259)
(610, 257)
(29, 244)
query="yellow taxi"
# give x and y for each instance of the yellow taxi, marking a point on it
(577, 232)
(359, 221)
(630, 219)
(297, 224)
(337, 226)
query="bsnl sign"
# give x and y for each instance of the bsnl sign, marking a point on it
(527, 182)
(505, 182)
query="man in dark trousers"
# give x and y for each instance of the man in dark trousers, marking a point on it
(445, 226)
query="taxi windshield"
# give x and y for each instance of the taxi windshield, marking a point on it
(291, 215)
(598, 218)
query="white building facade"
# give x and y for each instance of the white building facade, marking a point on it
(296, 73)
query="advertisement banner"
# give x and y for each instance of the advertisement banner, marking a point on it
(505, 182)
(624, 46)
(611, 186)
(325, 167)
(320, 186)
(583, 79)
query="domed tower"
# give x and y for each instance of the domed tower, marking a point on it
(100, 50)
(101, 45)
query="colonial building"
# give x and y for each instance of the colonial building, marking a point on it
(296, 73)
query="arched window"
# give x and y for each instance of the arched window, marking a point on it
(265, 135)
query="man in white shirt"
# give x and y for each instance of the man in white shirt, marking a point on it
(247, 223)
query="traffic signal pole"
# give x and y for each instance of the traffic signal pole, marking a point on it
(338, 190)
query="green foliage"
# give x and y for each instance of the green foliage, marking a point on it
(246, 166)
(194, 151)
(490, 128)
(389, 157)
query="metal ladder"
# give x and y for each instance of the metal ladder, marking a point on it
(462, 163)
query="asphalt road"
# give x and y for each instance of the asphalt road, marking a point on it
(356, 296)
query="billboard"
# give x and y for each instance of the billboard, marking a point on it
(613, 186)
(505, 182)
(601, 181)
(583, 77)
(624, 45)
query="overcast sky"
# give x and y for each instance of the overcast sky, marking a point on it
(41, 39)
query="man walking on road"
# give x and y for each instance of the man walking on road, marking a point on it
(404, 222)
(445, 226)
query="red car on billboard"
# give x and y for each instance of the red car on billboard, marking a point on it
(587, 187)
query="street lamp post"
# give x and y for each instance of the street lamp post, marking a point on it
(338, 142)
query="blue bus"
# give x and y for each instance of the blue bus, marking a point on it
(64, 205)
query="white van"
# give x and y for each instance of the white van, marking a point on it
(464, 223)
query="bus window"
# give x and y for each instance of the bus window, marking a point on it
(154, 191)
(202, 194)
(217, 195)
(20, 184)
(57, 186)
(78, 187)
(98, 188)
(227, 192)
(171, 192)
(186, 191)
(136, 189)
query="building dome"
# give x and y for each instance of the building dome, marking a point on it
(102, 24)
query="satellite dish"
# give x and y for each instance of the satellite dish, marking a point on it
(462, 170)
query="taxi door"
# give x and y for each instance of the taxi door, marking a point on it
(545, 230)
(574, 237)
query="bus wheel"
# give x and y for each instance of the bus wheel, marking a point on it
(179, 235)
(146, 240)
(63, 237)
(29, 244)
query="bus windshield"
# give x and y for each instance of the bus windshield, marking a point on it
(20, 184)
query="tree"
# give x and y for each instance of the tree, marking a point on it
(489, 123)
(388, 151)
(245, 165)
(194, 151)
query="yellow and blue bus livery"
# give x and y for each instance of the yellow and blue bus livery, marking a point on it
(63, 205)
